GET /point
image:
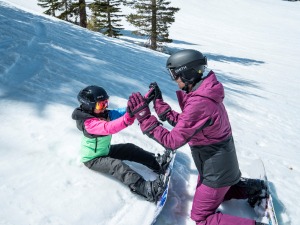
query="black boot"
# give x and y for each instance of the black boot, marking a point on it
(164, 161)
(259, 223)
(151, 190)
(256, 190)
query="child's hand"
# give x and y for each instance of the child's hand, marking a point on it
(128, 119)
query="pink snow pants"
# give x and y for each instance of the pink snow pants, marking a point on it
(207, 200)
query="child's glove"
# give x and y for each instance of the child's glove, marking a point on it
(138, 107)
(128, 119)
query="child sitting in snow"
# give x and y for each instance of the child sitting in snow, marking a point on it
(98, 124)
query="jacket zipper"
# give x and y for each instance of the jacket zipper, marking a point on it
(96, 144)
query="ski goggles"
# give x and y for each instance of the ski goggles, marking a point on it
(186, 73)
(187, 69)
(101, 105)
(173, 75)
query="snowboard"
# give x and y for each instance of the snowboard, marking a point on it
(264, 209)
(163, 198)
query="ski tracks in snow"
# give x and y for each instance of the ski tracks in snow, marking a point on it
(27, 61)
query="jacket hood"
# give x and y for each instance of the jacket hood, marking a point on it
(79, 114)
(211, 88)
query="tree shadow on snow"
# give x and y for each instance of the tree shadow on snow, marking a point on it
(43, 63)
(228, 59)
(221, 58)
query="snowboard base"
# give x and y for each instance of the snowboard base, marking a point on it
(265, 209)
(162, 200)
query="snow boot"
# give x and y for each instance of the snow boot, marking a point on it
(164, 161)
(256, 190)
(151, 190)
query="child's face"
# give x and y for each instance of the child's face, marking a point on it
(97, 111)
(101, 106)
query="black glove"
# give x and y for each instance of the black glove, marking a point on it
(154, 92)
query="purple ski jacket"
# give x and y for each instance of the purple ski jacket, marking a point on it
(205, 126)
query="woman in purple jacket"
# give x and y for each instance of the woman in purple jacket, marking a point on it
(204, 125)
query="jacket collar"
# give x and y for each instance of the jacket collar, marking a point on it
(182, 95)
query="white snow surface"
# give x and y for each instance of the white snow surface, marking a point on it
(252, 45)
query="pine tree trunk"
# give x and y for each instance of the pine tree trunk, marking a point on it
(82, 14)
(153, 37)
(66, 8)
(110, 32)
(52, 9)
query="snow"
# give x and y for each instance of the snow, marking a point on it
(254, 48)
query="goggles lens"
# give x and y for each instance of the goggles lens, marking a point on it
(101, 105)
(187, 69)
(173, 75)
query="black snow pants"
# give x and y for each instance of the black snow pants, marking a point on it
(113, 164)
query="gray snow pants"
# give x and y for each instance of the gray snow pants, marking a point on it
(114, 166)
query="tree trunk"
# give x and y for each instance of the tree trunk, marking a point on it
(82, 14)
(52, 9)
(110, 31)
(66, 8)
(153, 37)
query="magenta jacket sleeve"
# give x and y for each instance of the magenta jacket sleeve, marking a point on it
(102, 127)
(173, 139)
(188, 124)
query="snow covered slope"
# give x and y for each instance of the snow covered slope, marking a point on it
(252, 45)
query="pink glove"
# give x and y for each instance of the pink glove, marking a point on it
(128, 120)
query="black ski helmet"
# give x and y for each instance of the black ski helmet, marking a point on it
(187, 64)
(89, 95)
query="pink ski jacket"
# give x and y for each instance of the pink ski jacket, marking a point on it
(97, 133)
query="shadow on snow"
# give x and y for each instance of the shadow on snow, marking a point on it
(45, 61)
